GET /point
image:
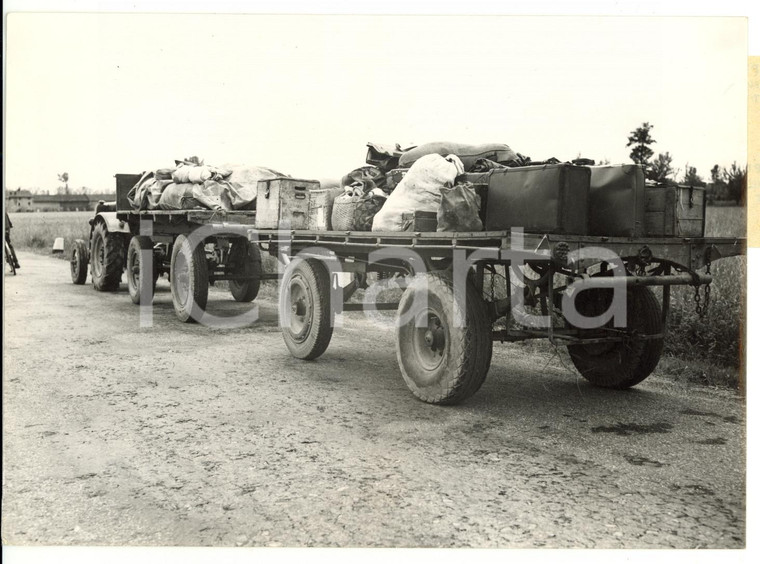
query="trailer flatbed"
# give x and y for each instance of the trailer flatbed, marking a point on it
(444, 345)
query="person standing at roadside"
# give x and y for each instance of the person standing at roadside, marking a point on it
(8, 227)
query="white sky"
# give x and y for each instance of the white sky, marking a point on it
(96, 94)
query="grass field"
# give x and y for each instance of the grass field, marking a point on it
(712, 344)
(37, 231)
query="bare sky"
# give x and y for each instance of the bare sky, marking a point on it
(96, 94)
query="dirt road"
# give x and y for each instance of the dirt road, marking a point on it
(183, 435)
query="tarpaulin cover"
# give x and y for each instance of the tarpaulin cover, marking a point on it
(145, 195)
(179, 197)
(468, 154)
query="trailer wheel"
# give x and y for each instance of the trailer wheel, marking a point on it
(189, 280)
(107, 258)
(623, 364)
(305, 309)
(443, 363)
(248, 257)
(79, 262)
(140, 290)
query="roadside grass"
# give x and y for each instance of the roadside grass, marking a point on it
(714, 344)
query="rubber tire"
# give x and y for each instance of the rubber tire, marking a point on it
(137, 244)
(80, 259)
(622, 365)
(467, 354)
(314, 278)
(189, 310)
(248, 290)
(106, 277)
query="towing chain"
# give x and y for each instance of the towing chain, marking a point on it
(701, 308)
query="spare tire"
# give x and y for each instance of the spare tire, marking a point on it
(620, 365)
(80, 259)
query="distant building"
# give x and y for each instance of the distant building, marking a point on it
(61, 202)
(18, 201)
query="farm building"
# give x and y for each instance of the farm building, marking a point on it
(104, 196)
(18, 200)
(60, 202)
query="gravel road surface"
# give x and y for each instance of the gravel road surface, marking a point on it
(179, 434)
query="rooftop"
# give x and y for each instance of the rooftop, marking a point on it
(18, 193)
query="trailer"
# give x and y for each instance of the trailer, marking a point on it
(450, 313)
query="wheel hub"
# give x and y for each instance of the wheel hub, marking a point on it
(430, 341)
(181, 279)
(300, 310)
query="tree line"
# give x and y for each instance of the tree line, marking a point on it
(726, 183)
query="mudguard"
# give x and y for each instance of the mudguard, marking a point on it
(113, 224)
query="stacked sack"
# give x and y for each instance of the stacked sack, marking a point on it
(423, 180)
(193, 185)
(418, 182)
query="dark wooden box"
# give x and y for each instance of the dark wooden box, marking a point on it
(674, 211)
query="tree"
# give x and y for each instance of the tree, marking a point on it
(715, 174)
(661, 170)
(736, 179)
(691, 178)
(717, 189)
(640, 140)
(64, 177)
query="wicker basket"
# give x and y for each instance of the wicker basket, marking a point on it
(343, 213)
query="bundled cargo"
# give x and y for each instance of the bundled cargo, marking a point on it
(186, 196)
(194, 185)
(419, 190)
(146, 193)
(459, 209)
(369, 206)
(365, 178)
(384, 157)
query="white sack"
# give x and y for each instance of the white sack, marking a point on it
(191, 174)
(419, 190)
